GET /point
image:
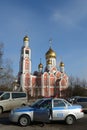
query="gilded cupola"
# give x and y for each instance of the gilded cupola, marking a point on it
(50, 54)
(61, 64)
(26, 38)
(40, 65)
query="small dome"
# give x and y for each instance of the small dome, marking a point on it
(49, 62)
(26, 38)
(40, 65)
(50, 54)
(61, 64)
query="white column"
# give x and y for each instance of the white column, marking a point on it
(42, 89)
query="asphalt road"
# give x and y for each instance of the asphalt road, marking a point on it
(78, 125)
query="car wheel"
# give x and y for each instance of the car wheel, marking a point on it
(70, 119)
(1, 110)
(24, 120)
(23, 105)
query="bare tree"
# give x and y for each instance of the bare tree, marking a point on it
(77, 87)
(6, 72)
(1, 54)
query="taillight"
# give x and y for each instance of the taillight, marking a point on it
(81, 110)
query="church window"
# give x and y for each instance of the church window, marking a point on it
(26, 52)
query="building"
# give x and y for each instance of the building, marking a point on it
(46, 82)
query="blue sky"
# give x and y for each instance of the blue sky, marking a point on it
(65, 21)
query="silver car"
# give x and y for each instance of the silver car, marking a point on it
(81, 101)
(47, 110)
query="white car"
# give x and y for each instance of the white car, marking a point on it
(10, 100)
(46, 110)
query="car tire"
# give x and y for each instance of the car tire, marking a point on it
(23, 105)
(24, 120)
(1, 110)
(70, 119)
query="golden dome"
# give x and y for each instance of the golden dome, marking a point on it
(61, 64)
(49, 62)
(26, 38)
(50, 54)
(40, 65)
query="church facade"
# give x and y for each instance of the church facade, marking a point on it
(46, 82)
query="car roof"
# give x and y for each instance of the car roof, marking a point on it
(52, 98)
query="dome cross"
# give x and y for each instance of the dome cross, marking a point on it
(50, 41)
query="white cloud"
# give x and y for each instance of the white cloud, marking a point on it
(71, 15)
(60, 17)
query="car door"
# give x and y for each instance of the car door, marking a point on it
(15, 100)
(41, 113)
(59, 109)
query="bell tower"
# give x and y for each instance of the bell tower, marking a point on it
(25, 64)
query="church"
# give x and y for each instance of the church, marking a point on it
(46, 82)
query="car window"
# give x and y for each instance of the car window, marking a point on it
(18, 95)
(82, 100)
(37, 103)
(45, 104)
(5, 96)
(1, 93)
(59, 103)
(66, 102)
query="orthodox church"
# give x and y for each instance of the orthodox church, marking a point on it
(46, 82)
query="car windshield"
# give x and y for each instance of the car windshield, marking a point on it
(1, 93)
(37, 103)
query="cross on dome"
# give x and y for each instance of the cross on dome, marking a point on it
(50, 41)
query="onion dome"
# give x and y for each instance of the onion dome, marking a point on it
(49, 62)
(40, 65)
(50, 54)
(61, 64)
(26, 38)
